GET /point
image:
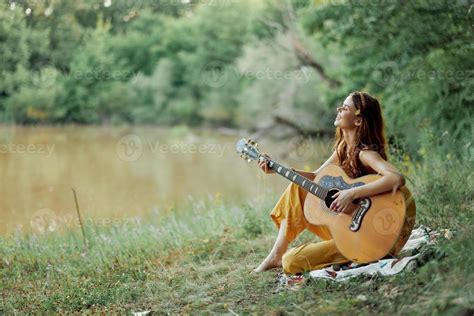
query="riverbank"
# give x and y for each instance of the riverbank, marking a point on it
(177, 267)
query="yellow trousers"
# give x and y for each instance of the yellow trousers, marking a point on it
(309, 256)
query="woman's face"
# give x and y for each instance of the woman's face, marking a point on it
(346, 118)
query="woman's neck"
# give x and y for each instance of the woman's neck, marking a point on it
(349, 138)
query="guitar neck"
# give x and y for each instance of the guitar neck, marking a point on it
(298, 179)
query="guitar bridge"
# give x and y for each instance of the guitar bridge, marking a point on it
(359, 214)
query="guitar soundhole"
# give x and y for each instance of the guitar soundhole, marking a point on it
(329, 199)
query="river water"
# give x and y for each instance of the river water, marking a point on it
(129, 173)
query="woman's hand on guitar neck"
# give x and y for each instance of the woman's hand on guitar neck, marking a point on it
(263, 164)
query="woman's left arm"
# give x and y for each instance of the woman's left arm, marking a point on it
(391, 179)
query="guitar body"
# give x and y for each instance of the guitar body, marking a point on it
(375, 227)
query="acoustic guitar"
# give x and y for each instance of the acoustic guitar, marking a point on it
(375, 227)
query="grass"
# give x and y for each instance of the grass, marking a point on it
(198, 260)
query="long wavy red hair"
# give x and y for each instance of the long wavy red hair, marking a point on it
(369, 135)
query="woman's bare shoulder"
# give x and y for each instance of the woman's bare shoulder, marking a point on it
(372, 159)
(369, 158)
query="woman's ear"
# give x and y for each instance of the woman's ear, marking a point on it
(358, 121)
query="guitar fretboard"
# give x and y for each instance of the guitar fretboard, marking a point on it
(295, 177)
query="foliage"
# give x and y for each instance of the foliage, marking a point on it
(234, 64)
(414, 56)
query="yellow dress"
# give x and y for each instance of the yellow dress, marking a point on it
(312, 256)
(309, 256)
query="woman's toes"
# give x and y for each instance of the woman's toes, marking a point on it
(267, 265)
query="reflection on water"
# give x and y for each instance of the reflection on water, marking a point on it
(123, 174)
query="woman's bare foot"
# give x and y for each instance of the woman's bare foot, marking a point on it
(267, 264)
(273, 260)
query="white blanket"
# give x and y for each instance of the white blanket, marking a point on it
(419, 237)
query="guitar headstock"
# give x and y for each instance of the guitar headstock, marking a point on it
(248, 149)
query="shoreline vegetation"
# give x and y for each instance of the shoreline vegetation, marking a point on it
(199, 259)
(276, 132)
(236, 64)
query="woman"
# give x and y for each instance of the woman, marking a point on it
(359, 149)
